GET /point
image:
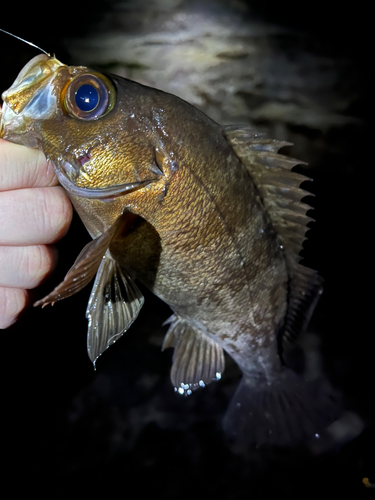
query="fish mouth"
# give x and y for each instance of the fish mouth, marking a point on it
(108, 193)
(31, 97)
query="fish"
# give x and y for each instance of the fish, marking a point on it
(209, 218)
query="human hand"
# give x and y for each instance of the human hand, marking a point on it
(34, 213)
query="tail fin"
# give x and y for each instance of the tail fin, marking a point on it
(287, 412)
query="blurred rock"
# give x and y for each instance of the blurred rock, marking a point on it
(223, 58)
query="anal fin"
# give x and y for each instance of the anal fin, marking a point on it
(197, 359)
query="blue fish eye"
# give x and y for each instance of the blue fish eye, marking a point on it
(87, 97)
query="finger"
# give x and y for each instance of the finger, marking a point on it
(25, 267)
(12, 302)
(34, 216)
(22, 167)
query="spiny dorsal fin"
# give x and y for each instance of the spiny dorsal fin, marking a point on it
(279, 188)
(197, 359)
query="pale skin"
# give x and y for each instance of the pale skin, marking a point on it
(34, 214)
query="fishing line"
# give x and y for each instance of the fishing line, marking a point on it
(26, 41)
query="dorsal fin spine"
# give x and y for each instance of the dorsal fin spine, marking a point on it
(279, 189)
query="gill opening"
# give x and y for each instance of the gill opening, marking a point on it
(26, 41)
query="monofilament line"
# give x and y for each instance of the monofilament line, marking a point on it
(26, 41)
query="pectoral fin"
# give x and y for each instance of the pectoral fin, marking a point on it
(115, 300)
(114, 304)
(197, 359)
(84, 267)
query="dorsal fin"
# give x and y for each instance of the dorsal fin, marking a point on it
(279, 189)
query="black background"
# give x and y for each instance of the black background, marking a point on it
(66, 429)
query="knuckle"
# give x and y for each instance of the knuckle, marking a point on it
(57, 213)
(37, 262)
(43, 173)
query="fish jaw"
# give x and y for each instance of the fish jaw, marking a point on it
(33, 96)
(66, 171)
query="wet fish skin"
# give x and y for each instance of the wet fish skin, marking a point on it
(194, 221)
(210, 219)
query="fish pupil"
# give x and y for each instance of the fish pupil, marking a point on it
(87, 97)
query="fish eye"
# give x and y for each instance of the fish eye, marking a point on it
(89, 96)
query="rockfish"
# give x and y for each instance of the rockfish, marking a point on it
(209, 218)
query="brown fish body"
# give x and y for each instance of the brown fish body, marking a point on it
(210, 219)
(220, 263)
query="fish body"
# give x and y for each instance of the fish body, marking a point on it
(209, 218)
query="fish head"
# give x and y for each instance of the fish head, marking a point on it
(87, 124)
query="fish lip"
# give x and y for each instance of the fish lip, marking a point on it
(103, 193)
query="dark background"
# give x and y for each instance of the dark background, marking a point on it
(66, 429)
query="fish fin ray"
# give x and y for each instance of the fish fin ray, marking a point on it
(114, 304)
(83, 269)
(286, 412)
(277, 184)
(279, 189)
(305, 291)
(197, 359)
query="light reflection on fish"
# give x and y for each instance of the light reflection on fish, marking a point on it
(209, 218)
